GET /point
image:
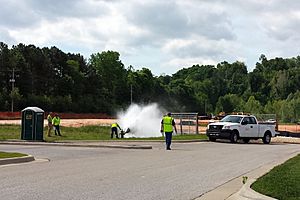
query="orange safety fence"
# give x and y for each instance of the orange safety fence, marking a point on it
(17, 115)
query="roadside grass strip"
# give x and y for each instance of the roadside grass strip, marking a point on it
(80, 133)
(85, 133)
(10, 155)
(282, 182)
(174, 137)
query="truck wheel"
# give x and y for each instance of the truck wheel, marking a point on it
(267, 138)
(212, 139)
(234, 137)
(246, 140)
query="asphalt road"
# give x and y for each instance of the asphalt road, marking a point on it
(186, 172)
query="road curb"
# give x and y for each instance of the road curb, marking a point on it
(234, 189)
(246, 193)
(6, 161)
(79, 145)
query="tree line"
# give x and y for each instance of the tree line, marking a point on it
(65, 82)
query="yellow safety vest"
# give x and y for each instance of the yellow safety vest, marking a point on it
(49, 118)
(167, 122)
(114, 125)
(56, 121)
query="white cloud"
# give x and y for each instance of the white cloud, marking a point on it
(282, 26)
(161, 35)
(16, 14)
(173, 19)
(186, 62)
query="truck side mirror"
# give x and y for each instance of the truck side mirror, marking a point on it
(244, 123)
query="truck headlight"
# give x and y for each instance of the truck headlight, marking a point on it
(226, 127)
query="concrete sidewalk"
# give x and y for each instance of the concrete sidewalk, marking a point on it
(236, 190)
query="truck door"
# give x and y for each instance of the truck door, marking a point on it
(253, 131)
(245, 127)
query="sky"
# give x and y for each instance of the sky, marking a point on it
(161, 35)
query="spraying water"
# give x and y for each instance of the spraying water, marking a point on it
(143, 121)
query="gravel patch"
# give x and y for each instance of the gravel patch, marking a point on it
(281, 139)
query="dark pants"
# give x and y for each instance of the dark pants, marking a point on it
(114, 130)
(56, 130)
(168, 139)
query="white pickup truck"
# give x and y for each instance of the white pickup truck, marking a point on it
(245, 127)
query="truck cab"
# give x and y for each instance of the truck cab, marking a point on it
(245, 127)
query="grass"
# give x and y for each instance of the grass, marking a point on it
(10, 155)
(80, 133)
(10, 132)
(175, 137)
(83, 133)
(282, 182)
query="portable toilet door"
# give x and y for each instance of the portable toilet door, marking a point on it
(39, 126)
(32, 123)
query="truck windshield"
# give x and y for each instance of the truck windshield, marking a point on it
(230, 118)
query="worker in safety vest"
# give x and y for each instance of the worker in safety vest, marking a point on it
(167, 124)
(56, 123)
(50, 125)
(114, 130)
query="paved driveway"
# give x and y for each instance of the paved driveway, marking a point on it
(186, 172)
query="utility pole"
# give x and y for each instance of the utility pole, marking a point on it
(12, 80)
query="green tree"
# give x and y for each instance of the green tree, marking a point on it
(15, 96)
(253, 106)
(281, 85)
(230, 103)
(235, 76)
(113, 78)
(182, 97)
(143, 85)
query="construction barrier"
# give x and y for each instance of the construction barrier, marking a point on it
(17, 115)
